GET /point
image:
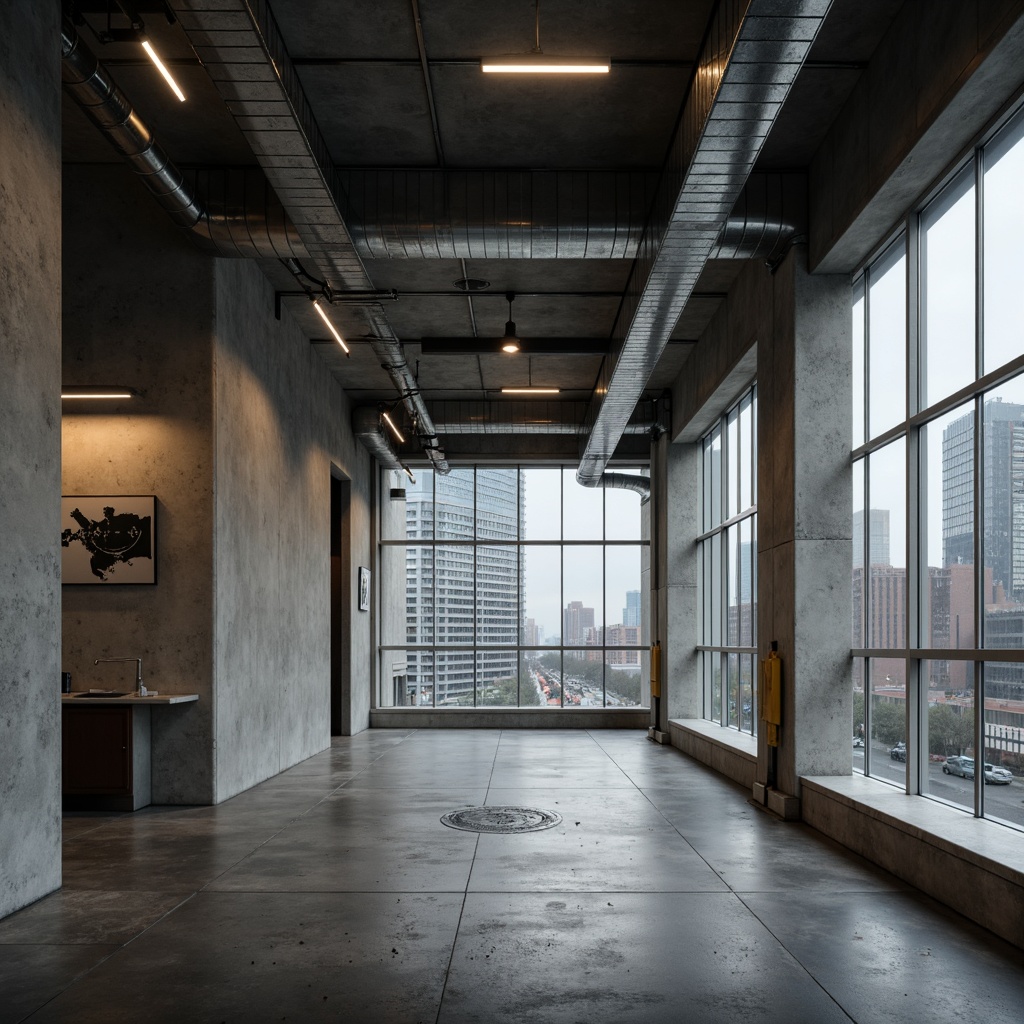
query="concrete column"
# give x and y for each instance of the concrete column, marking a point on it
(804, 521)
(30, 280)
(675, 516)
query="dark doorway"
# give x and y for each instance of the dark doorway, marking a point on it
(341, 597)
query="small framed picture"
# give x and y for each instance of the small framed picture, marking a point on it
(108, 539)
(364, 589)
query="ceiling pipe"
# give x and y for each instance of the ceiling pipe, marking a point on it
(504, 214)
(240, 218)
(366, 427)
(750, 57)
(626, 482)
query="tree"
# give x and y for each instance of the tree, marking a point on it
(858, 712)
(950, 730)
(888, 722)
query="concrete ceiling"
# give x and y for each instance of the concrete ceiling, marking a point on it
(360, 67)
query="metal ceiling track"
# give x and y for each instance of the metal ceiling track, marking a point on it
(243, 53)
(750, 57)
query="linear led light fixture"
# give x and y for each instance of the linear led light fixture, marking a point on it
(162, 68)
(337, 337)
(544, 64)
(394, 430)
(408, 472)
(529, 391)
(96, 391)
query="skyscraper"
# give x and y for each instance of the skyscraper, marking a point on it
(878, 537)
(577, 624)
(631, 613)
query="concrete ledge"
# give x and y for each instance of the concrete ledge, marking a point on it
(732, 753)
(510, 718)
(972, 865)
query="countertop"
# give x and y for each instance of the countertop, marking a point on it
(129, 698)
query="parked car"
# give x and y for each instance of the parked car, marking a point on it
(858, 741)
(899, 752)
(998, 776)
(962, 766)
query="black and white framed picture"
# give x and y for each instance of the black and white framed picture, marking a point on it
(364, 589)
(108, 539)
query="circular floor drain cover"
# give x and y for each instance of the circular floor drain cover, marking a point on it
(501, 819)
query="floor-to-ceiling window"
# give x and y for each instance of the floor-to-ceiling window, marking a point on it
(938, 511)
(519, 588)
(728, 558)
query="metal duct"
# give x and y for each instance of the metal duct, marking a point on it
(627, 482)
(428, 214)
(366, 427)
(241, 218)
(530, 416)
(241, 47)
(750, 57)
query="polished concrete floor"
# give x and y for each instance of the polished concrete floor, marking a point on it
(333, 893)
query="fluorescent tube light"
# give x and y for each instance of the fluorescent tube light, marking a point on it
(337, 337)
(96, 392)
(543, 64)
(529, 391)
(408, 473)
(391, 423)
(162, 68)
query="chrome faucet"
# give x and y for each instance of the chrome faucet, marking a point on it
(139, 684)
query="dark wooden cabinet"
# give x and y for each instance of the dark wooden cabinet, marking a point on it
(105, 760)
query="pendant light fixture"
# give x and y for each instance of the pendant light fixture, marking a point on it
(538, 62)
(510, 342)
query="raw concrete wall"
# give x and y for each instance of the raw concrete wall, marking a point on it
(282, 422)
(941, 72)
(29, 456)
(138, 304)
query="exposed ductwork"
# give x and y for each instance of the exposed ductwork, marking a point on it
(366, 427)
(241, 216)
(627, 482)
(750, 57)
(483, 215)
(532, 417)
(248, 63)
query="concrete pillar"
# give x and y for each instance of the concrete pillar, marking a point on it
(804, 522)
(675, 524)
(30, 282)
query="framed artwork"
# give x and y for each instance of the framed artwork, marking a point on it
(364, 589)
(108, 539)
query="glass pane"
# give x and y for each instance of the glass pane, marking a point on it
(887, 758)
(497, 594)
(745, 583)
(859, 569)
(396, 687)
(732, 456)
(732, 582)
(713, 478)
(622, 512)
(583, 586)
(947, 530)
(733, 671)
(454, 594)
(753, 582)
(453, 505)
(622, 590)
(420, 677)
(583, 678)
(716, 685)
(542, 594)
(541, 491)
(748, 712)
(418, 583)
(1003, 514)
(453, 678)
(746, 452)
(497, 678)
(859, 668)
(715, 591)
(583, 509)
(1004, 741)
(858, 365)
(419, 509)
(950, 774)
(497, 504)
(887, 574)
(1004, 259)
(627, 678)
(535, 688)
(947, 292)
(887, 346)
(547, 668)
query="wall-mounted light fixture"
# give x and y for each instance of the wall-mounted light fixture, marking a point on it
(96, 391)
